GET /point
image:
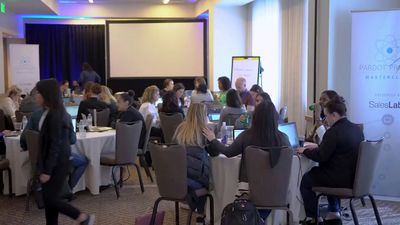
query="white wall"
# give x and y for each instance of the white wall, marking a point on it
(230, 39)
(339, 62)
(9, 26)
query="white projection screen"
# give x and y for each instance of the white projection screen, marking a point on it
(149, 49)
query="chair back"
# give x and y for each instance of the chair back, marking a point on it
(169, 123)
(283, 113)
(102, 117)
(148, 121)
(33, 142)
(268, 186)
(127, 141)
(230, 119)
(2, 121)
(170, 165)
(366, 163)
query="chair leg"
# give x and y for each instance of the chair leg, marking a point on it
(121, 176)
(177, 213)
(362, 201)
(154, 214)
(317, 215)
(115, 182)
(9, 182)
(189, 219)
(146, 167)
(378, 218)
(290, 216)
(353, 212)
(140, 177)
(210, 197)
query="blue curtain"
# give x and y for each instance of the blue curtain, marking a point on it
(63, 49)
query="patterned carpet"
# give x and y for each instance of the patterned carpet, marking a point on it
(132, 203)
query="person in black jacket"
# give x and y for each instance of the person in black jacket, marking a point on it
(53, 161)
(127, 113)
(91, 102)
(170, 104)
(189, 134)
(337, 157)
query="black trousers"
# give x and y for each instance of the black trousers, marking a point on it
(52, 196)
(311, 179)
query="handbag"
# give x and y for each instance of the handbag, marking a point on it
(146, 219)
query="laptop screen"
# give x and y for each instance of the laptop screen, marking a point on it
(236, 133)
(213, 117)
(290, 130)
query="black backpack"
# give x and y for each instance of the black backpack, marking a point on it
(241, 212)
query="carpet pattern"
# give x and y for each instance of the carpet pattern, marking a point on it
(132, 203)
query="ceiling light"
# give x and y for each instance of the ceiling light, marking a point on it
(165, 1)
(90, 1)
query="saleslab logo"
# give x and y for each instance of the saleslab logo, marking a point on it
(384, 105)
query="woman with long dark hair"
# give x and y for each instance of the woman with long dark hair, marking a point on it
(171, 104)
(233, 106)
(54, 161)
(263, 132)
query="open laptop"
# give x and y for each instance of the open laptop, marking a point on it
(213, 117)
(290, 130)
(236, 133)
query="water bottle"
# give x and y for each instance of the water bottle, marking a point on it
(81, 129)
(24, 122)
(94, 117)
(311, 107)
(246, 118)
(89, 122)
(224, 134)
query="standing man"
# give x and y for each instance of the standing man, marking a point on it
(245, 95)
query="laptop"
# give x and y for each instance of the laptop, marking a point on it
(290, 130)
(213, 117)
(236, 133)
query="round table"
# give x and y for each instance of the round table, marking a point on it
(90, 146)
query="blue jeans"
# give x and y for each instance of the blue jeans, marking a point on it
(79, 164)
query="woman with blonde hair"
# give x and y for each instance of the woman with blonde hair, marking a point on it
(9, 103)
(189, 134)
(150, 96)
(106, 97)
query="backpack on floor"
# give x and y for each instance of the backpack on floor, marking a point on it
(241, 212)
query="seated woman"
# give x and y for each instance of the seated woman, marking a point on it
(263, 133)
(179, 90)
(170, 104)
(319, 115)
(255, 90)
(65, 90)
(10, 102)
(241, 121)
(233, 106)
(189, 133)
(106, 97)
(224, 84)
(168, 86)
(92, 91)
(201, 93)
(128, 114)
(150, 96)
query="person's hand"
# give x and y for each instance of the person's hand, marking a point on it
(44, 178)
(310, 145)
(317, 110)
(242, 118)
(209, 134)
(300, 150)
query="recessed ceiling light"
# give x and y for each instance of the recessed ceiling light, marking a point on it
(165, 1)
(90, 1)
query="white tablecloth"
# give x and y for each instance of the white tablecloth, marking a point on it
(91, 146)
(225, 173)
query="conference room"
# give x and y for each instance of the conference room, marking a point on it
(199, 112)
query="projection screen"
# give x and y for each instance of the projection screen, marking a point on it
(149, 48)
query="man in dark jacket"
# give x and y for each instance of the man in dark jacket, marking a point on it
(337, 158)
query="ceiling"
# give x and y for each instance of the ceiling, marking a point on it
(125, 1)
(28, 7)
